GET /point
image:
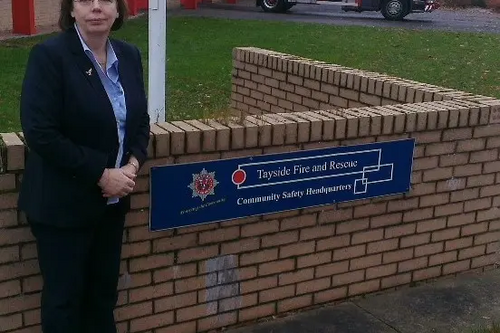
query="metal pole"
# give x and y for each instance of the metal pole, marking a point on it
(157, 60)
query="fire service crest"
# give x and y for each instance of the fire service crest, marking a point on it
(203, 184)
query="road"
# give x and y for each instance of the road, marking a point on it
(467, 20)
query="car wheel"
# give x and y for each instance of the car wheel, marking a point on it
(395, 10)
(273, 6)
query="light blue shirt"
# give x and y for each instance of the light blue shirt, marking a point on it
(110, 78)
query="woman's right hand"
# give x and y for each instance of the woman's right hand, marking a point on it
(116, 183)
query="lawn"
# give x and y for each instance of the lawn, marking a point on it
(199, 58)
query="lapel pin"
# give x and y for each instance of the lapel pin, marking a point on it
(89, 72)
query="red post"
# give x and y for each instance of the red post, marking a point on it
(143, 4)
(190, 4)
(133, 8)
(23, 17)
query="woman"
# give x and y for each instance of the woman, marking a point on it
(85, 121)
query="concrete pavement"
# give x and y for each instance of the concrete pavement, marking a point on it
(451, 305)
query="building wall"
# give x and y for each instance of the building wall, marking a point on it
(5, 15)
(47, 12)
(199, 278)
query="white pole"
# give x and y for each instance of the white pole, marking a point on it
(157, 60)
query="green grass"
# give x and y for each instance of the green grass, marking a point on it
(495, 328)
(199, 58)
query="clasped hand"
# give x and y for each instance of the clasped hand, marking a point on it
(117, 183)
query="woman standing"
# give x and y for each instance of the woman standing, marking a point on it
(85, 120)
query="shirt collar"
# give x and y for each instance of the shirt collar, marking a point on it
(112, 59)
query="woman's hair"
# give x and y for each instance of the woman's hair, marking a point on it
(66, 21)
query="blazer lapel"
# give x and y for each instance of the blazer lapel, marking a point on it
(87, 69)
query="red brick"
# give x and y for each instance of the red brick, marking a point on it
(150, 322)
(415, 240)
(431, 225)
(458, 243)
(480, 181)
(382, 246)
(477, 204)
(297, 276)
(367, 236)
(370, 209)
(484, 260)
(314, 259)
(353, 225)
(195, 283)
(260, 228)
(457, 134)
(471, 252)
(240, 246)
(280, 238)
(131, 311)
(486, 238)
(297, 222)
(10, 288)
(259, 284)
(219, 235)
(464, 195)
(349, 252)
(364, 287)
(330, 295)
(273, 267)
(487, 191)
(347, 278)
(276, 293)
(11, 322)
(412, 264)
(18, 269)
(218, 321)
(197, 311)
(294, 303)
(7, 182)
(258, 257)
(426, 273)
(461, 219)
(437, 174)
(418, 214)
(396, 280)
(455, 267)
(468, 170)
(297, 249)
(399, 255)
(380, 271)
(317, 232)
(257, 312)
(313, 286)
(404, 204)
(471, 145)
(434, 200)
(453, 159)
(238, 302)
(15, 151)
(151, 262)
(332, 216)
(175, 272)
(175, 302)
(188, 327)
(385, 220)
(475, 228)
(401, 230)
(425, 250)
(333, 242)
(8, 200)
(441, 258)
(445, 234)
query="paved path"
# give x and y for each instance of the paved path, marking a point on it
(451, 305)
(468, 20)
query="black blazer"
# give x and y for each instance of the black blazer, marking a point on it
(70, 129)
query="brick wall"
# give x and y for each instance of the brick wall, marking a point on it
(47, 12)
(5, 15)
(205, 277)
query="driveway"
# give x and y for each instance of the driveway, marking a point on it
(463, 20)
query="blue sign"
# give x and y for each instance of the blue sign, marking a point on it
(204, 192)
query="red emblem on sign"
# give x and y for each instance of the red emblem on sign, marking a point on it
(239, 177)
(203, 184)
